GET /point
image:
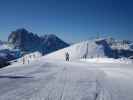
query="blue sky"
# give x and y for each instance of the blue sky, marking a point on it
(71, 20)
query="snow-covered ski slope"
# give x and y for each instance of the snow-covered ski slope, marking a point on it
(52, 78)
(86, 49)
(96, 48)
(60, 80)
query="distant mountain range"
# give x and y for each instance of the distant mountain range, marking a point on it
(21, 42)
(29, 42)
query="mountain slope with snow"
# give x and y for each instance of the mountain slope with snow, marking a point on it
(91, 49)
(77, 51)
(21, 42)
(7, 53)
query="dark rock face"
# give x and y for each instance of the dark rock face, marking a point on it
(122, 53)
(7, 55)
(51, 43)
(107, 49)
(29, 42)
(3, 63)
(23, 40)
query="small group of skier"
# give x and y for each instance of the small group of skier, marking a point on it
(26, 59)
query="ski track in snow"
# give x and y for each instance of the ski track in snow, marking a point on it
(59, 80)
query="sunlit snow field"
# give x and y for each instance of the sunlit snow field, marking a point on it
(50, 77)
(59, 80)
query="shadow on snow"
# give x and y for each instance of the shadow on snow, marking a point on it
(14, 77)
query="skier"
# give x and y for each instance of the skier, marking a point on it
(23, 60)
(67, 56)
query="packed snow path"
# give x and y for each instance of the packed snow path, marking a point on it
(55, 80)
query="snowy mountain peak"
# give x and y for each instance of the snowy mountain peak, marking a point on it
(29, 42)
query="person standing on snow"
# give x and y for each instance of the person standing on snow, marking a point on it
(23, 60)
(67, 56)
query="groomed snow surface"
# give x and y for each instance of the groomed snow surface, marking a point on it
(60, 80)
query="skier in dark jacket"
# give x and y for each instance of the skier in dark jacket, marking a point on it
(23, 60)
(67, 56)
